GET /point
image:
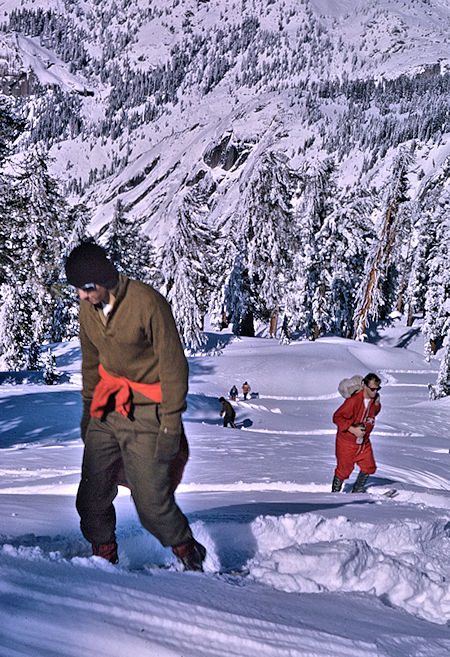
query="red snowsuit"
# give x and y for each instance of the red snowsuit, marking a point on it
(348, 452)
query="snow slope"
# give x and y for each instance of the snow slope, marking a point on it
(329, 574)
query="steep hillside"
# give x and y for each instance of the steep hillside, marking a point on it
(147, 101)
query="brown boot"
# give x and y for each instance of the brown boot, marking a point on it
(107, 551)
(191, 554)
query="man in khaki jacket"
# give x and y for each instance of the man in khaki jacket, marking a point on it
(134, 392)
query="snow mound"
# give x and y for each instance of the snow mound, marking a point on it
(400, 562)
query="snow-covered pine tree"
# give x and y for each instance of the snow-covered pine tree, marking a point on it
(15, 325)
(33, 357)
(221, 307)
(65, 325)
(129, 249)
(78, 218)
(285, 333)
(38, 233)
(392, 224)
(10, 128)
(238, 299)
(50, 373)
(65, 312)
(263, 229)
(428, 288)
(185, 266)
(436, 323)
(307, 289)
(424, 235)
(343, 243)
(442, 387)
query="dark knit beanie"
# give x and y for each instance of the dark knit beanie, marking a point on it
(87, 263)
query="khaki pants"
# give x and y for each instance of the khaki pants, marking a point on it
(109, 443)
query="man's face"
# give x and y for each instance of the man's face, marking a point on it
(371, 389)
(95, 295)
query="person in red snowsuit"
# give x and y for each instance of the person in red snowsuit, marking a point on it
(355, 419)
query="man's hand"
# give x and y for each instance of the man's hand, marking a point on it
(167, 445)
(358, 430)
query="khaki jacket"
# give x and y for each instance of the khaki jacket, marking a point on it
(139, 340)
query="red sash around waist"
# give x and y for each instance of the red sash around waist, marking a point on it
(121, 387)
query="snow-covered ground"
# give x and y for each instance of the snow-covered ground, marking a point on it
(329, 575)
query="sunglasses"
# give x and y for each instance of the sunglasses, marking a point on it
(87, 287)
(373, 389)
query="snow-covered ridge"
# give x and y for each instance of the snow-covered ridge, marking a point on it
(169, 83)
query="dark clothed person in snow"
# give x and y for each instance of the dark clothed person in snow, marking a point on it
(134, 392)
(228, 413)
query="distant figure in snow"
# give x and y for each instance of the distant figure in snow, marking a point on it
(355, 419)
(233, 393)
(228, 412)
(245, 389)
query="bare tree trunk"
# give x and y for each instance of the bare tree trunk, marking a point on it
(274, 322)
(224, 322)
(387, 239)
(363, 314)
(410, 320)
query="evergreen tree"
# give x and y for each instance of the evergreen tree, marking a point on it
(38, 233)
(50, 373)
(221, 302)
(264, 229)
(15, 325)
(343, 242)
(429, 283)
(78, 218)
(442, 387)
(238, 299)
(10, 128)
(185, 265)
(308, 286)
(128, 248)
(437, 296)
(425, 237)
(65, 325)
(33, 357)
(65, 299)
(285, 336)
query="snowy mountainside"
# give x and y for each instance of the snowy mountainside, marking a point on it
(147, 102)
